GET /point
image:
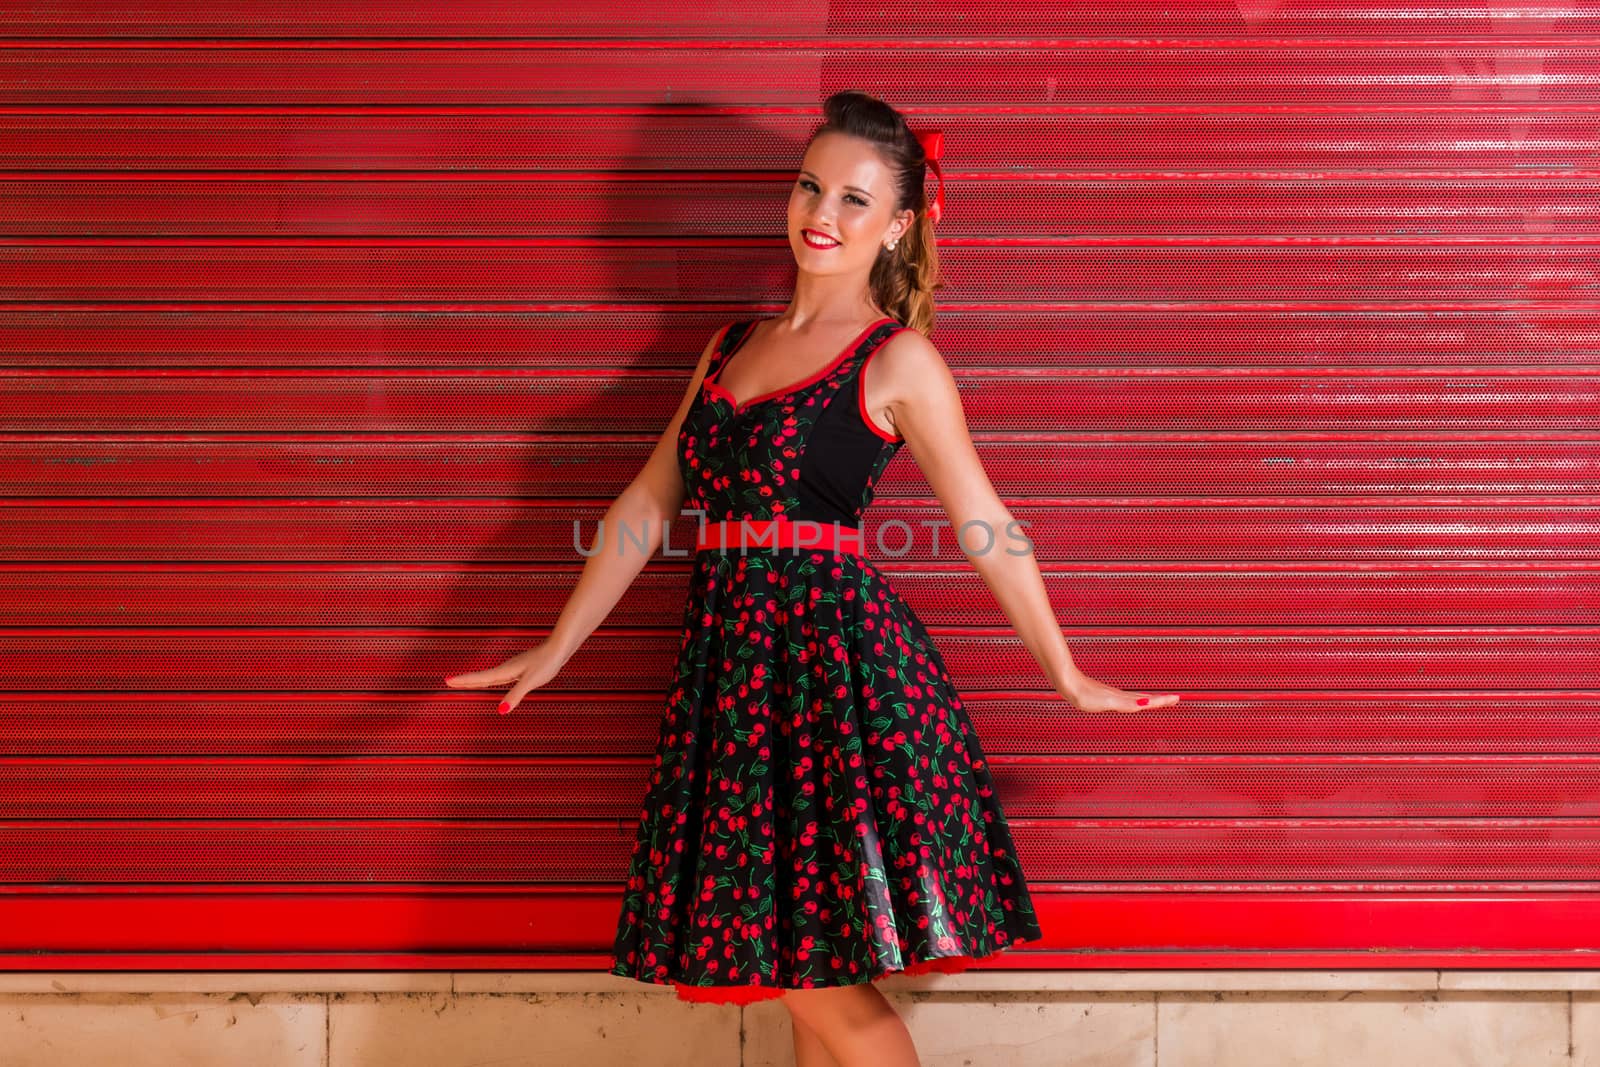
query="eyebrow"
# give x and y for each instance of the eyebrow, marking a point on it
(857, 188)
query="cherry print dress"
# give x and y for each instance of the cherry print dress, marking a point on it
(820, 812)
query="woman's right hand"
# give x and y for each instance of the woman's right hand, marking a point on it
(524, 671)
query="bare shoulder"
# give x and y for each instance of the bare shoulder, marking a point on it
(906, 359)
(910, 346)
(909, 375)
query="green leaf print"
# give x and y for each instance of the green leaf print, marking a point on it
(807, 659)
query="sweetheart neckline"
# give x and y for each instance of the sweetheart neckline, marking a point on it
(712, 383)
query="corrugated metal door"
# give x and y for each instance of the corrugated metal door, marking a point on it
(321, 328)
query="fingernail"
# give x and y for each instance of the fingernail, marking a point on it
(505, 706)
(1142, 700)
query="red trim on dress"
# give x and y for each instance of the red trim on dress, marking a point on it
(713, 381)
(727, 994)
(861, 392)
(750, 994)
(798, 534)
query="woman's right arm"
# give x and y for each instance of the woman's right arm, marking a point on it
(641, 512)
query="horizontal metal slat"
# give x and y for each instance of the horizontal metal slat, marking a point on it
(1403, 788)
(1202, 466)
(1142, 269)
(261, 19)
(432, 721)
(1266, 71)
(469, 205)
(609, 341)
(1157, 659)
(1094, 853)
(452, 530)
(950, 593)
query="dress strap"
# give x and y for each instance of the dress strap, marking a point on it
(852, 359)
(873, 341)
(732, 335)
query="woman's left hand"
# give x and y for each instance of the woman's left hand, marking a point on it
(1088, 695)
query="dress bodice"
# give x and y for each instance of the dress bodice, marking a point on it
(807, 451)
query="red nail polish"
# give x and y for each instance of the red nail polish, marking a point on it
(505, 706)
(1142, 700)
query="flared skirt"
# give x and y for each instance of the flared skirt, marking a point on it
(819, 811)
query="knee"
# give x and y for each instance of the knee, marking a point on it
(804, 1005)
(849, 1006)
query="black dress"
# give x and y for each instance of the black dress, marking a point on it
(820, 812)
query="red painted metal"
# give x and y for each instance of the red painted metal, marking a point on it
(322, 331)
(288, 927)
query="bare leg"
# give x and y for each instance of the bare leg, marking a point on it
(809, 1051)
(856, 1024)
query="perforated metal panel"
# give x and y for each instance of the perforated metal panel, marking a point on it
(321, 327)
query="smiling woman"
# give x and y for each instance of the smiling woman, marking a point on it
(820, 813)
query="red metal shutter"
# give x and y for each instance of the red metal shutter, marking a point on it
(322, 328)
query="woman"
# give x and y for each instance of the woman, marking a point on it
(820, 812)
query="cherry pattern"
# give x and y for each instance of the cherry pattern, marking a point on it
(819, 810)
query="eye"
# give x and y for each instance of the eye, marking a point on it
(807, 183)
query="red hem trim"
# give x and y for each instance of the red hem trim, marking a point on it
(750, 994)
(727, 994)
(943, 964)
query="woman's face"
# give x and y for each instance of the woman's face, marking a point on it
(844, 191)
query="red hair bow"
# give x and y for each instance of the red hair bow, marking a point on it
(932, 142)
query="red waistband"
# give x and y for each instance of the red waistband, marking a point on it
(779, 533)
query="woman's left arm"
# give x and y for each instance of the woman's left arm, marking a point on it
(913, 389)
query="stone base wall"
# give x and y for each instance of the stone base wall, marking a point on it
(1423, 1018)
